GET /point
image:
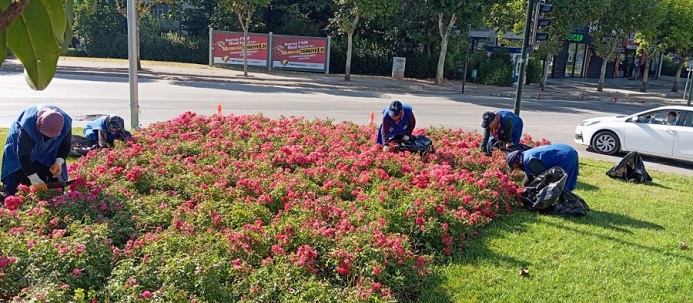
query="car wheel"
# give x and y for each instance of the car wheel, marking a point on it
(606, 142)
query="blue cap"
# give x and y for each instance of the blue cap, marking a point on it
(513, 158)
(487, 118)
(395, 108)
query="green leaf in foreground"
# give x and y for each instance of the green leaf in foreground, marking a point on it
(36, 38)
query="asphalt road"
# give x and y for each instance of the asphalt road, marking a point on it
(160, 100)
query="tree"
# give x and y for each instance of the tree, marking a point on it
(244, 10)
(567, 16)
(35, 32)
(678, 26)
(650, 36)
(447, 13)
(143, 9)
(348, 13)
(612, 27)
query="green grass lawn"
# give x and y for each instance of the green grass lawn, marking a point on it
(627, 249)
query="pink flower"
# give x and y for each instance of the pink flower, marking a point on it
(146, 294)
(14, 202)
(76, 272)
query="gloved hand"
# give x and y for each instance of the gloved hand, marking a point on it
(386, 148)
(39, 187)
(57, 167)
(405, 138)
(37, 184)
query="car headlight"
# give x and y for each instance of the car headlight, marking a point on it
(588, 123)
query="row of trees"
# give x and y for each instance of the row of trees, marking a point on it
(425, 29)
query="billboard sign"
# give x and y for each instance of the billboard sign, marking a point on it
(228, 48)
(299, 53)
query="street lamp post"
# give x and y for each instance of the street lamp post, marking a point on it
(466, 57)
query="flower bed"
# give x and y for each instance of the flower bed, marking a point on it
(234, 208)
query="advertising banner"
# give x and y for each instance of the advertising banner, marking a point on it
(299, 53)
(228, 48)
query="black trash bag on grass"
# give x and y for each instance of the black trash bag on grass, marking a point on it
(547, 194)
(80, 146)
(631, 168)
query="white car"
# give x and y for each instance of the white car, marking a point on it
(665, 131)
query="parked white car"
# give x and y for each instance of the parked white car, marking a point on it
(665, 131)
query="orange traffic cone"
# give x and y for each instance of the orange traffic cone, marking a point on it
(371, 121)
(219, 109)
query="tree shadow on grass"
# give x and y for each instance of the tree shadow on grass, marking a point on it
(478, 250)
(612, 221)
(587, 187)
(636, 223)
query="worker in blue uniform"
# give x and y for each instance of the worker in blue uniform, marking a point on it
(502, 125)
(398, 122)
(539, 159)
(105, 130)
(36, 147)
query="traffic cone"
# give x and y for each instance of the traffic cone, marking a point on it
(219, 109)
(371, 121)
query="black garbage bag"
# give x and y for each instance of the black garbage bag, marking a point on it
(80, 146)
(416, 144)
(494, 144)
(631, 168)
(543, 192)
(571, 204)
(546, 194)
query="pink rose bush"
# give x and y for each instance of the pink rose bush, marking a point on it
(245, 208)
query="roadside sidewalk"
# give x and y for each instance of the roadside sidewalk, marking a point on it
(616, 90)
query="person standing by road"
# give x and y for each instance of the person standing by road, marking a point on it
(502, 125)
(37, 145)
(537, 160)
(398, 122)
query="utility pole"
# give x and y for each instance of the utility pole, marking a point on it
(466, 57)
(690, 90)
(523, 60)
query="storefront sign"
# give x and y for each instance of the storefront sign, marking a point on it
(228, 48)
(576, 38)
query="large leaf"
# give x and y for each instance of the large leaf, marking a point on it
(36, 38)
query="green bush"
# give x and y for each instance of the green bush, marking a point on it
(534, 70)
(496, 69)
(669, 67)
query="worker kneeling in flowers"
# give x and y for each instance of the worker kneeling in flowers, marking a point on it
(398, 123)
(502, 125)
(36, 147)
(537, 160)
(106, 130)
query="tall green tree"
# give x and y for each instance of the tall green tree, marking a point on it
(567, 16)
(678, 26)
(35, 32)
(348, 14)
(244, 10)
(650, 36)
(447, 14)
(612, 27)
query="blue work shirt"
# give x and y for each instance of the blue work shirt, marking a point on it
(33, 143)
(404, 127)
(552, 155)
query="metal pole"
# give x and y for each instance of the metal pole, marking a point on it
(523, 60)
(690, 93)
(211, 45)
(466, 57)
(132, 58)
